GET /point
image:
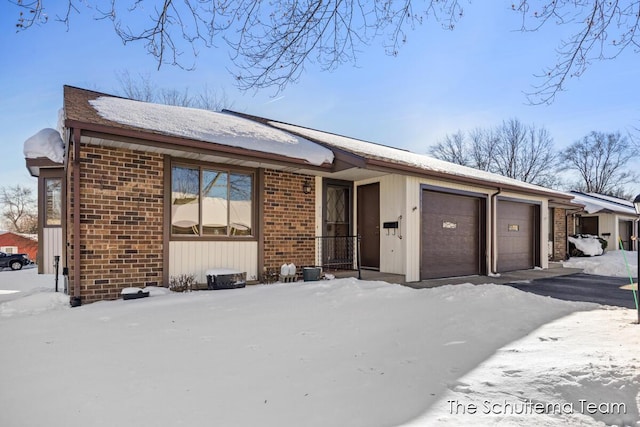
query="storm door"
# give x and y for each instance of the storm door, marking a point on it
(337, 242)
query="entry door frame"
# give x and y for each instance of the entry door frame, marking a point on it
(369, 238)
(347, 185)
(627, 244)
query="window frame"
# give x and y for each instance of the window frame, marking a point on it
(202, 167)
(45, 202)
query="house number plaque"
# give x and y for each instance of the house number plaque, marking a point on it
(514, 227)
(450, 225)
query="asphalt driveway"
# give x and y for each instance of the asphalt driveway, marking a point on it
(582, 287)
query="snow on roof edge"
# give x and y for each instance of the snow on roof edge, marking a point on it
(46, 143)
(594, 204)
(209, 126)
(406, 157)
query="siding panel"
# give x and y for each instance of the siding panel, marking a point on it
(52, 245)
(198, 257)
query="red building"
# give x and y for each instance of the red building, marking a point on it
(16, 243)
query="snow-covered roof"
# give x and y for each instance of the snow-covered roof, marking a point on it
(281, 140)
(46, 143)
(209, 126)
(598, 203)
(404, 157)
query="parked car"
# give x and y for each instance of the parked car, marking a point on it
(14, 261)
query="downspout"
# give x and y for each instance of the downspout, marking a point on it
(75, 299)
(494, 220)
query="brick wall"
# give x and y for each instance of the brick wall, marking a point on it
(121, 227)
(559, 234)
(289, 220)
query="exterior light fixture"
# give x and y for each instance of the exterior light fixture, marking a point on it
(306, 188)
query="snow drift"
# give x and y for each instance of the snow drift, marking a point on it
(46, 143)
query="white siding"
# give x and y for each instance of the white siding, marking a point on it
(413, 224)
(198, 257)
(392, 208)
(400, 200)
(608, 223)
(51, 246)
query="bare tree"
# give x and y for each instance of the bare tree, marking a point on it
(453, 149)
(141, 88)
(271, 42)
(604, 29)
(20, 209)
(525, 153)
(600, 159)
(482, 148)
(511, 149)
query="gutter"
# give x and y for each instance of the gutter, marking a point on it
(75, 299)
(494, 220)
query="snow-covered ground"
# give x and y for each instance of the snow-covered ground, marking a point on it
(330, 353)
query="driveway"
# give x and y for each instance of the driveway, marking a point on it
(582, 287)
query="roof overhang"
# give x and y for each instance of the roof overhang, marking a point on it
(107, 136)
(35, 165)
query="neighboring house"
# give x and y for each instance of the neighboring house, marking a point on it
(15, 243)
(611, 218)
(152, 191)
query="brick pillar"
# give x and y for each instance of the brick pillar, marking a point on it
(559, 234)
(289, 220)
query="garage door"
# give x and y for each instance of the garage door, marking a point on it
(517, 235)
(452, 235)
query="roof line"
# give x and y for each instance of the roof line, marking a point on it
(266, 121)
(141, 137)
(393, 166)
(602, 199)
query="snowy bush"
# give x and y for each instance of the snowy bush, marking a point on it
(182, 283)
(586, 245)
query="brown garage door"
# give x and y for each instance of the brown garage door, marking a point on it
(517, 234)
(452, 235)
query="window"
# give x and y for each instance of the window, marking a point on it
(211, 202)
(53, 202)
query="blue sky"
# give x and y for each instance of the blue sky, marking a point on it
(442, 81)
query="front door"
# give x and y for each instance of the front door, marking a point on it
(369, 225)
(337, 242)
(625, 230)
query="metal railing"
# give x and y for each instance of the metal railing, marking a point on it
(338, 253)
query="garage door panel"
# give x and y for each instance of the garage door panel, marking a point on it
(516, 235)
(451, 238)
